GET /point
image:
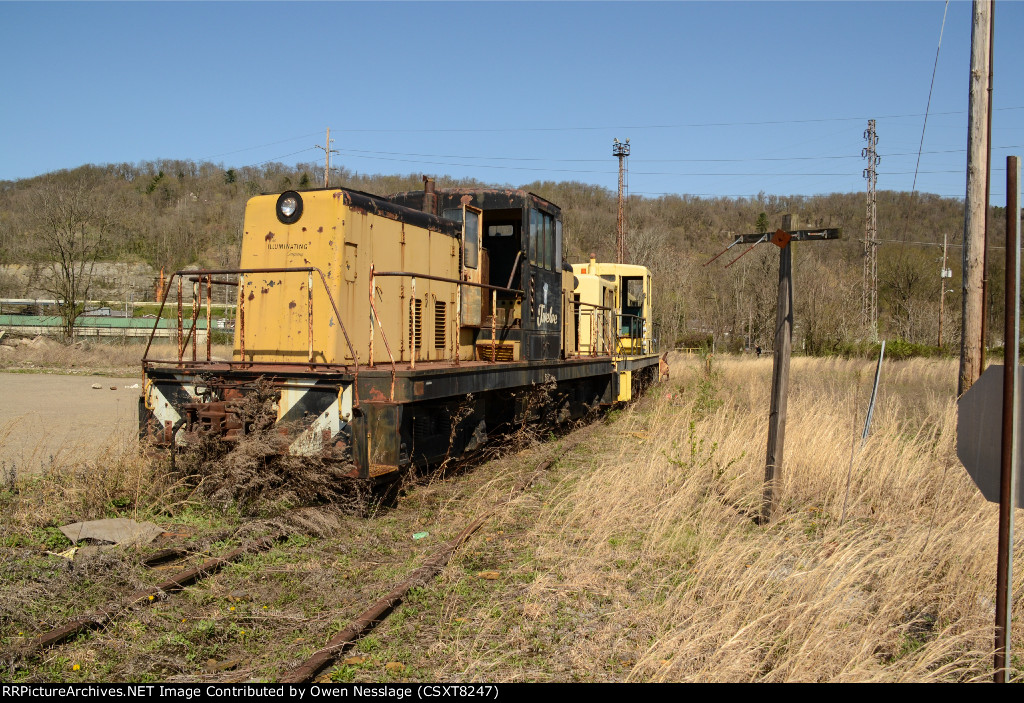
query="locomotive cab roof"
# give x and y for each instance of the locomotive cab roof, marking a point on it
(483, 198)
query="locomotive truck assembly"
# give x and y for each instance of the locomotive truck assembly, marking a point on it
(395, 331)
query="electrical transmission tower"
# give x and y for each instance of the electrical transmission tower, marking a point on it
(869, 299)
(621, 150)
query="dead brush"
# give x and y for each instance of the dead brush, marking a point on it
(256, 473)
(77, 486)
(652, 552)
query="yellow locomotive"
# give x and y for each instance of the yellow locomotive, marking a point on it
(396, 330)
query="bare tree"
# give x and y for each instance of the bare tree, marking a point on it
(70, 224)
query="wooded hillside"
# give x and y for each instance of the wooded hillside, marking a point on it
(177, 213)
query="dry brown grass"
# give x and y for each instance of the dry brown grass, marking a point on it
(646, 564)
(635, 558)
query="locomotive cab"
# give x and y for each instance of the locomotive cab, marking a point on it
(519, 259)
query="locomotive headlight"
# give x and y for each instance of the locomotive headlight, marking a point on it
(289, 207)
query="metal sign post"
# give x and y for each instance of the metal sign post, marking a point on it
(989, 416)
(1011, 419)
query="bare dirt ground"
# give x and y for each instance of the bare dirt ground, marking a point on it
(54, 415)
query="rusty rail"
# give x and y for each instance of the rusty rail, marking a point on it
(145, 596)
(373, 615)
(369, 618)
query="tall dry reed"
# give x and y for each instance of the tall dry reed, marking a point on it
(652, 536)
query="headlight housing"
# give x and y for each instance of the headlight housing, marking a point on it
(289, 207)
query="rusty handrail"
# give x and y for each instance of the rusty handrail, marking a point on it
(458, 309)
(209, 273)
(375, 318)
(449, 280)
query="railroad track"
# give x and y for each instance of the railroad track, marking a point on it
(339, 643)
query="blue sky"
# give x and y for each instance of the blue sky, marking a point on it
(727, 98)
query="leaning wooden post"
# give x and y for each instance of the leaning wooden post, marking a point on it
(780, 375)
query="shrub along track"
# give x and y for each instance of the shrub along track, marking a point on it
(103, 619)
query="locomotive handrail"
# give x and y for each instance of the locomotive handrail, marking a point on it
(494, 293)
(449, 280)
(635, 327)
(593, 329)
(375, 318)
(197, 275)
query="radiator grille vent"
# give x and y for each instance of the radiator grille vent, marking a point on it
(503, 352)
(440, 324)
(416, 325)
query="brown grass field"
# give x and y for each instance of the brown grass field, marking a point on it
(634, 558)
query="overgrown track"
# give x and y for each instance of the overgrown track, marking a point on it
(337, 644)
(145, 596)
(381, 608)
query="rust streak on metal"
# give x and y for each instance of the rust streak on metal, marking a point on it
(374, 318)
(195, 316)
(241, 318)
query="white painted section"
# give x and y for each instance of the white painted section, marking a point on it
(163, 411)
(312, 440)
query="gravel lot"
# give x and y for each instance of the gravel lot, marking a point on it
(44, 415)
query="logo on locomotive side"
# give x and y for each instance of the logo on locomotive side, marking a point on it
(546, 315)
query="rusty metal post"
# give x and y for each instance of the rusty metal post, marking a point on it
(241, 317)
(209, 317)
(412, 324)
(593, 332)
(371, 316)
(309, 312)
(181, 337)
(458, 322)
(195, 317)
(494, 328)
(1009, 469)
(780, 377)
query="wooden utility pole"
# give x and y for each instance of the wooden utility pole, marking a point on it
(783, 340)
(780, 375)
(974, 205)
(988, 183)
(328, 151)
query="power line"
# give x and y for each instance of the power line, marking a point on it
(929, 105)
(663, 126)
(261, 146)
(738, 160)
(347, 152)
